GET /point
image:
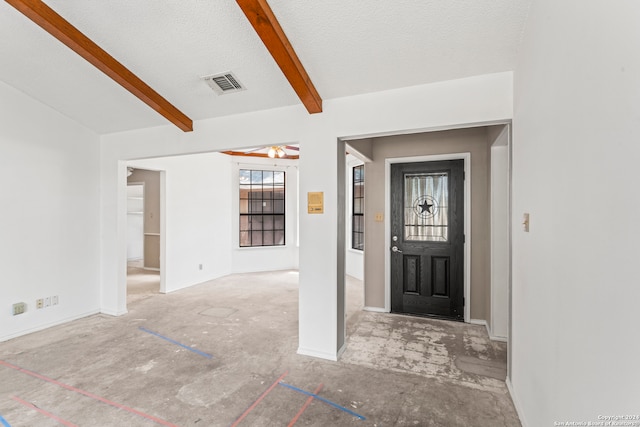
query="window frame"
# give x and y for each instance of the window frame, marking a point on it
(357, 209)
(254, 196)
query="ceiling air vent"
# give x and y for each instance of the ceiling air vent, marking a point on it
(224, 83)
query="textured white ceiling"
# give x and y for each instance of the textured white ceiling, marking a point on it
(347, 46)
(353, 47)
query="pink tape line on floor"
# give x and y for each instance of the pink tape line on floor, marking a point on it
(262, 396)
(304, 407)
(42, 411)
(86, 393)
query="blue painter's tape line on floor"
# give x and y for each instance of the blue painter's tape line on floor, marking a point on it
(315, 396)
(201, 353)
(4, 422)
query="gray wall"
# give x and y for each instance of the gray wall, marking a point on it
(151, 180)
(474, 141)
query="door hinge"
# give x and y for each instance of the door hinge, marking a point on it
(464, 301)
(464, 238)
(464, 176)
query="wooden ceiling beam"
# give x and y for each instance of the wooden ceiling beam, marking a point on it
(268, 28)
(62, 30)
(246, 154)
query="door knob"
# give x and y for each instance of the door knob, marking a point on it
(395, 249)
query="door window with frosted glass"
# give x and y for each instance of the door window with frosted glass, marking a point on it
(426, 207)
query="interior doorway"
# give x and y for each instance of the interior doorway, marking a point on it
(486, 150)
(143, 233)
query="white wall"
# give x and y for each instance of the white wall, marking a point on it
(197, 217)
(477, 100)
(319, 263)
(202, 226)
(576, 150)
(49, 221)
(499, 318)
(135, 222)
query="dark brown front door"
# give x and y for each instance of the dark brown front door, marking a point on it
(427, 238)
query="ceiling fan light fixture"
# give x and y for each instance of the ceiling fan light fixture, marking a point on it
(276, 151)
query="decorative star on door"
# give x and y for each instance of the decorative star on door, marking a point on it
(425, 206)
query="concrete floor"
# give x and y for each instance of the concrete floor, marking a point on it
(141, 283)
(223, 353)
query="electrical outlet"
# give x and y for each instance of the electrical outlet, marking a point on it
(39, 303)
(54, 300)
(19, 308)
(47, 301)
(200, 266)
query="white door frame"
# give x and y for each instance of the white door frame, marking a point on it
(122, 186)
(467, 221)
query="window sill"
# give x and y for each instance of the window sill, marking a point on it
(244, 248)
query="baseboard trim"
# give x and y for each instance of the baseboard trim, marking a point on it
(516, 403)
(497, 338)
(49, 325)
(114, 313)
(484, 323)
(319, 354)
(375, 309)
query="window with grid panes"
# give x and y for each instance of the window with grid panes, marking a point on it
(262, 208)
(357, 221)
